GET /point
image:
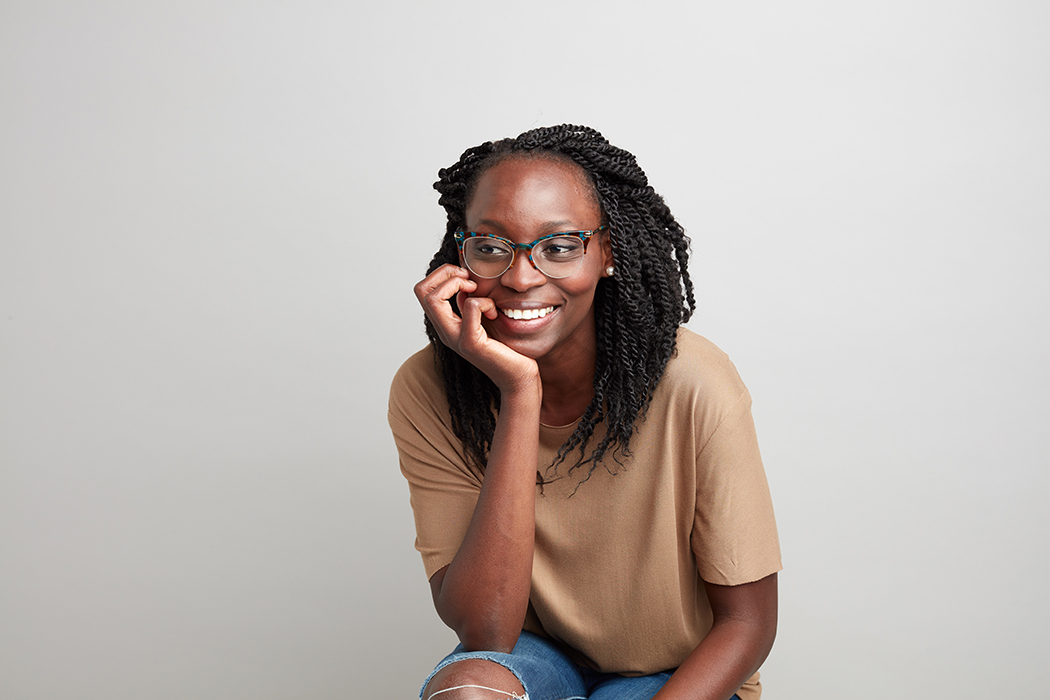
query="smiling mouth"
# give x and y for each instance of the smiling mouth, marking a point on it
(526, 314)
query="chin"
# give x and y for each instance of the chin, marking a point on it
(533, 351)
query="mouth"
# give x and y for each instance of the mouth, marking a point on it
(526, 314)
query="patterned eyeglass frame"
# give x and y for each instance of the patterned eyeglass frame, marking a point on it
(461, 236)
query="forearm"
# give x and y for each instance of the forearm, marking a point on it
(484, 593)
(743, 632)
(718, 666)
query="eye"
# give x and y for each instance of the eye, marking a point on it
(487, 249)
(561, 248)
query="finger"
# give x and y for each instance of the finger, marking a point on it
(447, 287)
(471, 308)
(438, 277)
(486, 306)
(450, 327)
(438, 297)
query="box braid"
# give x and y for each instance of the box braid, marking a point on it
(637, 312)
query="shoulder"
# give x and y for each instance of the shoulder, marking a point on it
(421, 367)
(701, 388)
(417, 386)
(701, 369)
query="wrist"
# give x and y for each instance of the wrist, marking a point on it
(525, 389)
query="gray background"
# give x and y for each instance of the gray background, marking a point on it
(211, 217)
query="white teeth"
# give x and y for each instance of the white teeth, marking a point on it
(527, 314)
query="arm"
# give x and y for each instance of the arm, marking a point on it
(745, 624)
(483, 594)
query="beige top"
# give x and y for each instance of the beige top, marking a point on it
(618, 564)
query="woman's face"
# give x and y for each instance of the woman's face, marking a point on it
(521, 200)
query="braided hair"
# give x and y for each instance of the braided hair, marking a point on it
(637, 312)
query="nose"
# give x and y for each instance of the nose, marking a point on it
(522, 275)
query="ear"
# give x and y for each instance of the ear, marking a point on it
(607, 252)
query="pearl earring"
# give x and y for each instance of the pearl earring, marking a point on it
(610, 271)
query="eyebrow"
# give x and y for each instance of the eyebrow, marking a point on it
(556, 226)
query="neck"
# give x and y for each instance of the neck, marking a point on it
(567, 390)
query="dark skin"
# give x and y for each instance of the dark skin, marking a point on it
(544, 370)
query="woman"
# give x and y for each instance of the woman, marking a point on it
(590, 503)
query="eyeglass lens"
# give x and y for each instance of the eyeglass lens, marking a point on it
(555, 257)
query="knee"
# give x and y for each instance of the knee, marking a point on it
(473, 679)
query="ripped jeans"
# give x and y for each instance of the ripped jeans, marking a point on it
(547, 673)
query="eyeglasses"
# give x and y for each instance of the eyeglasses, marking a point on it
(557, 255)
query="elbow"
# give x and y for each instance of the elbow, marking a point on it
(488, 625)
(766, 635)
(479, 636)
(761, 635)
(758, 635)
(481, 632)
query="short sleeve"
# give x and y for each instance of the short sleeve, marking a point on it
(442, 488)
(734, 535)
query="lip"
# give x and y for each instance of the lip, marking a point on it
(525, 325)
(526, 313)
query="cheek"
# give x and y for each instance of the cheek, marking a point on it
(484, 288)
(581, 286)
(586, 281)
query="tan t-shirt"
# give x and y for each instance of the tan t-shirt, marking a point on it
(619, 560)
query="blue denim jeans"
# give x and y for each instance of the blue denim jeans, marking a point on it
(547, 673)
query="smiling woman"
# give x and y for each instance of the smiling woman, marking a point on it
(553, 309)
(548, 320)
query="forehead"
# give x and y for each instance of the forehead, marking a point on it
(531, 193)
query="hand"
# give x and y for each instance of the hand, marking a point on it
(508, 369)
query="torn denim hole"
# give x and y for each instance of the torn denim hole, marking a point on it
(504, 695)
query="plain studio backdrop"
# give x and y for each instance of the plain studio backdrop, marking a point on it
(211, 218)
